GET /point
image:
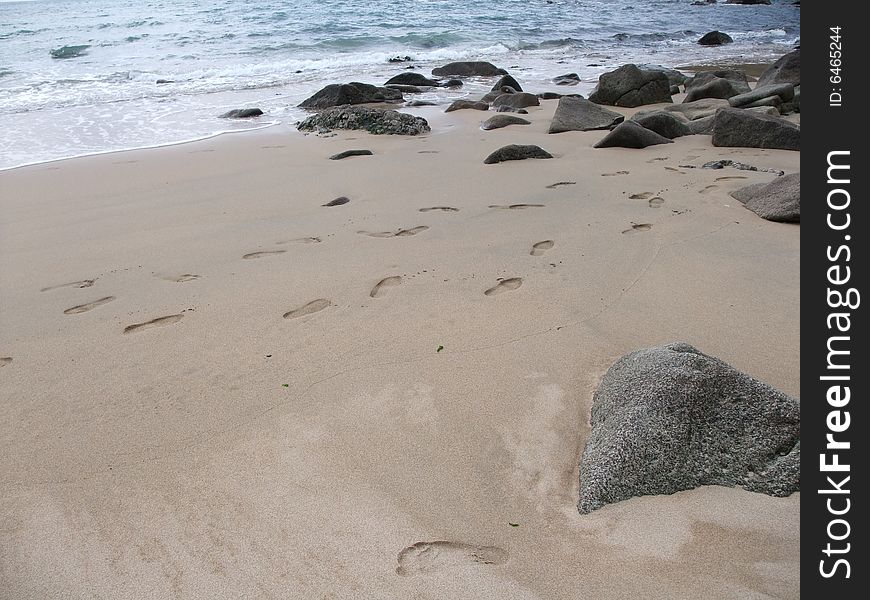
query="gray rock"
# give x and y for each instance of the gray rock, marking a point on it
(698, 109)
(787, 69)
(340, 94)
(242, 113)
(734, 127)
(553, 95)
(374, 120)
(414, 103)
(747, 1)
(499, 121)
(671, 418)
(578, 114)
(779, 200)
(468, 69)
(338, 201)
(507, 80)
(452, 83)
(490, 97)
(716, 87)
(785, 92)
(664, 123)
(467, 104)
(516, 152)
(764, 110)
(674, 76)
(737, 78)
(794, 105)
(629, 86)
(408, 78)
(515, 101)
(567, 79)
(769, 102)
(702, 125)
(675, 89)
(715, 38)
(629, 134)
(405, 89)
(510, 109)
(348, 153)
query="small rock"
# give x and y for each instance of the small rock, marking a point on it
(629, 86)
(499, 121)
(452, 83)
(347, 153)
(468, 69)
(567, 79)
(467, 104)
(629, 134)
(664, 123)
(516, 152)
(242, 113)
(408, 78)
(338, 201)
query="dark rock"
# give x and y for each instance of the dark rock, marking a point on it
(703, 2)
(715, 87)
(734, 127)
(499, 121)
(629, 134)
(242, 113)
(578, 114)
(727, 162)
(399, 59)
(674, 76)
(671, 418)
(374, 120)
(675, 89)
(490, 97)
(664, 123)
(467, 104)
(518, 100)
(452, 83)
(787, 69)
(769, 102)
(338, 201)
(412, 79)
(698, 109)
(347, 153)
(468, 69)
(779, 200)
(507, 80)
(765, 110)
(339, 94)
(629, 86)
(567, 79)
(405, 89)
(793, 105)
(510, 109)
(516, 152)
(737, 78)
(747, 1)
(162, 81)
(421, 103)
(785, 92)
(715, 38)
(549, 96)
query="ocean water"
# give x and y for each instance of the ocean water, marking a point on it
(81, 76)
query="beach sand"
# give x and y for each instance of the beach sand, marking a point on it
(219, 387)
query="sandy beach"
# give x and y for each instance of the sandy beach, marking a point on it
(215, 386)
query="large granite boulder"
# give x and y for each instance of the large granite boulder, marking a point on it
(374, 120)
(715, 87)
(698, 109)
(779, 200)
(340, 94)
(466, 104)
(629, 86)
(783, 91)
(507, 80)
(715, 38)
(579, 114)
(516, 101)
(629, 134)
(746, 129)
(468, 69)
(499, 121)
(671, 418)
(516, 152)
(787, 69)
(664, 123)
(737, 78)
(408, 78)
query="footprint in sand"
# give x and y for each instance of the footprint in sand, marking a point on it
(515, 206)
(727, 177)
(428, 557)
(652, 160)
(615, 174)
(636, 227)
(505, 285)
(179, 278)
(708, 189)
(5, 360)
(84, 283)
(656, 202)
(303, 240)
(553, 186)
(89, 306)
(541, 247)
(262, 254)
(158, 322)
(441, 208)
(399, 233)
(676, 170)
(641, 196)
(381, 287)
(428, 151)
(308, 309)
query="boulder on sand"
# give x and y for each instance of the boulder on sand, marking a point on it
(787, 69)
(516, 101)
(784, 91)
(666, 124)
(629, 134)
(408, 78)
(734, 127)
(467, 104)
(671, 418)
(340, 94)
(499, 121)
(716, 87)
(468, 69)
(579, 114)
(374, 120)
(779, 200)
(516, 152)
(507, 80)
(737, 78)
(629, 86)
